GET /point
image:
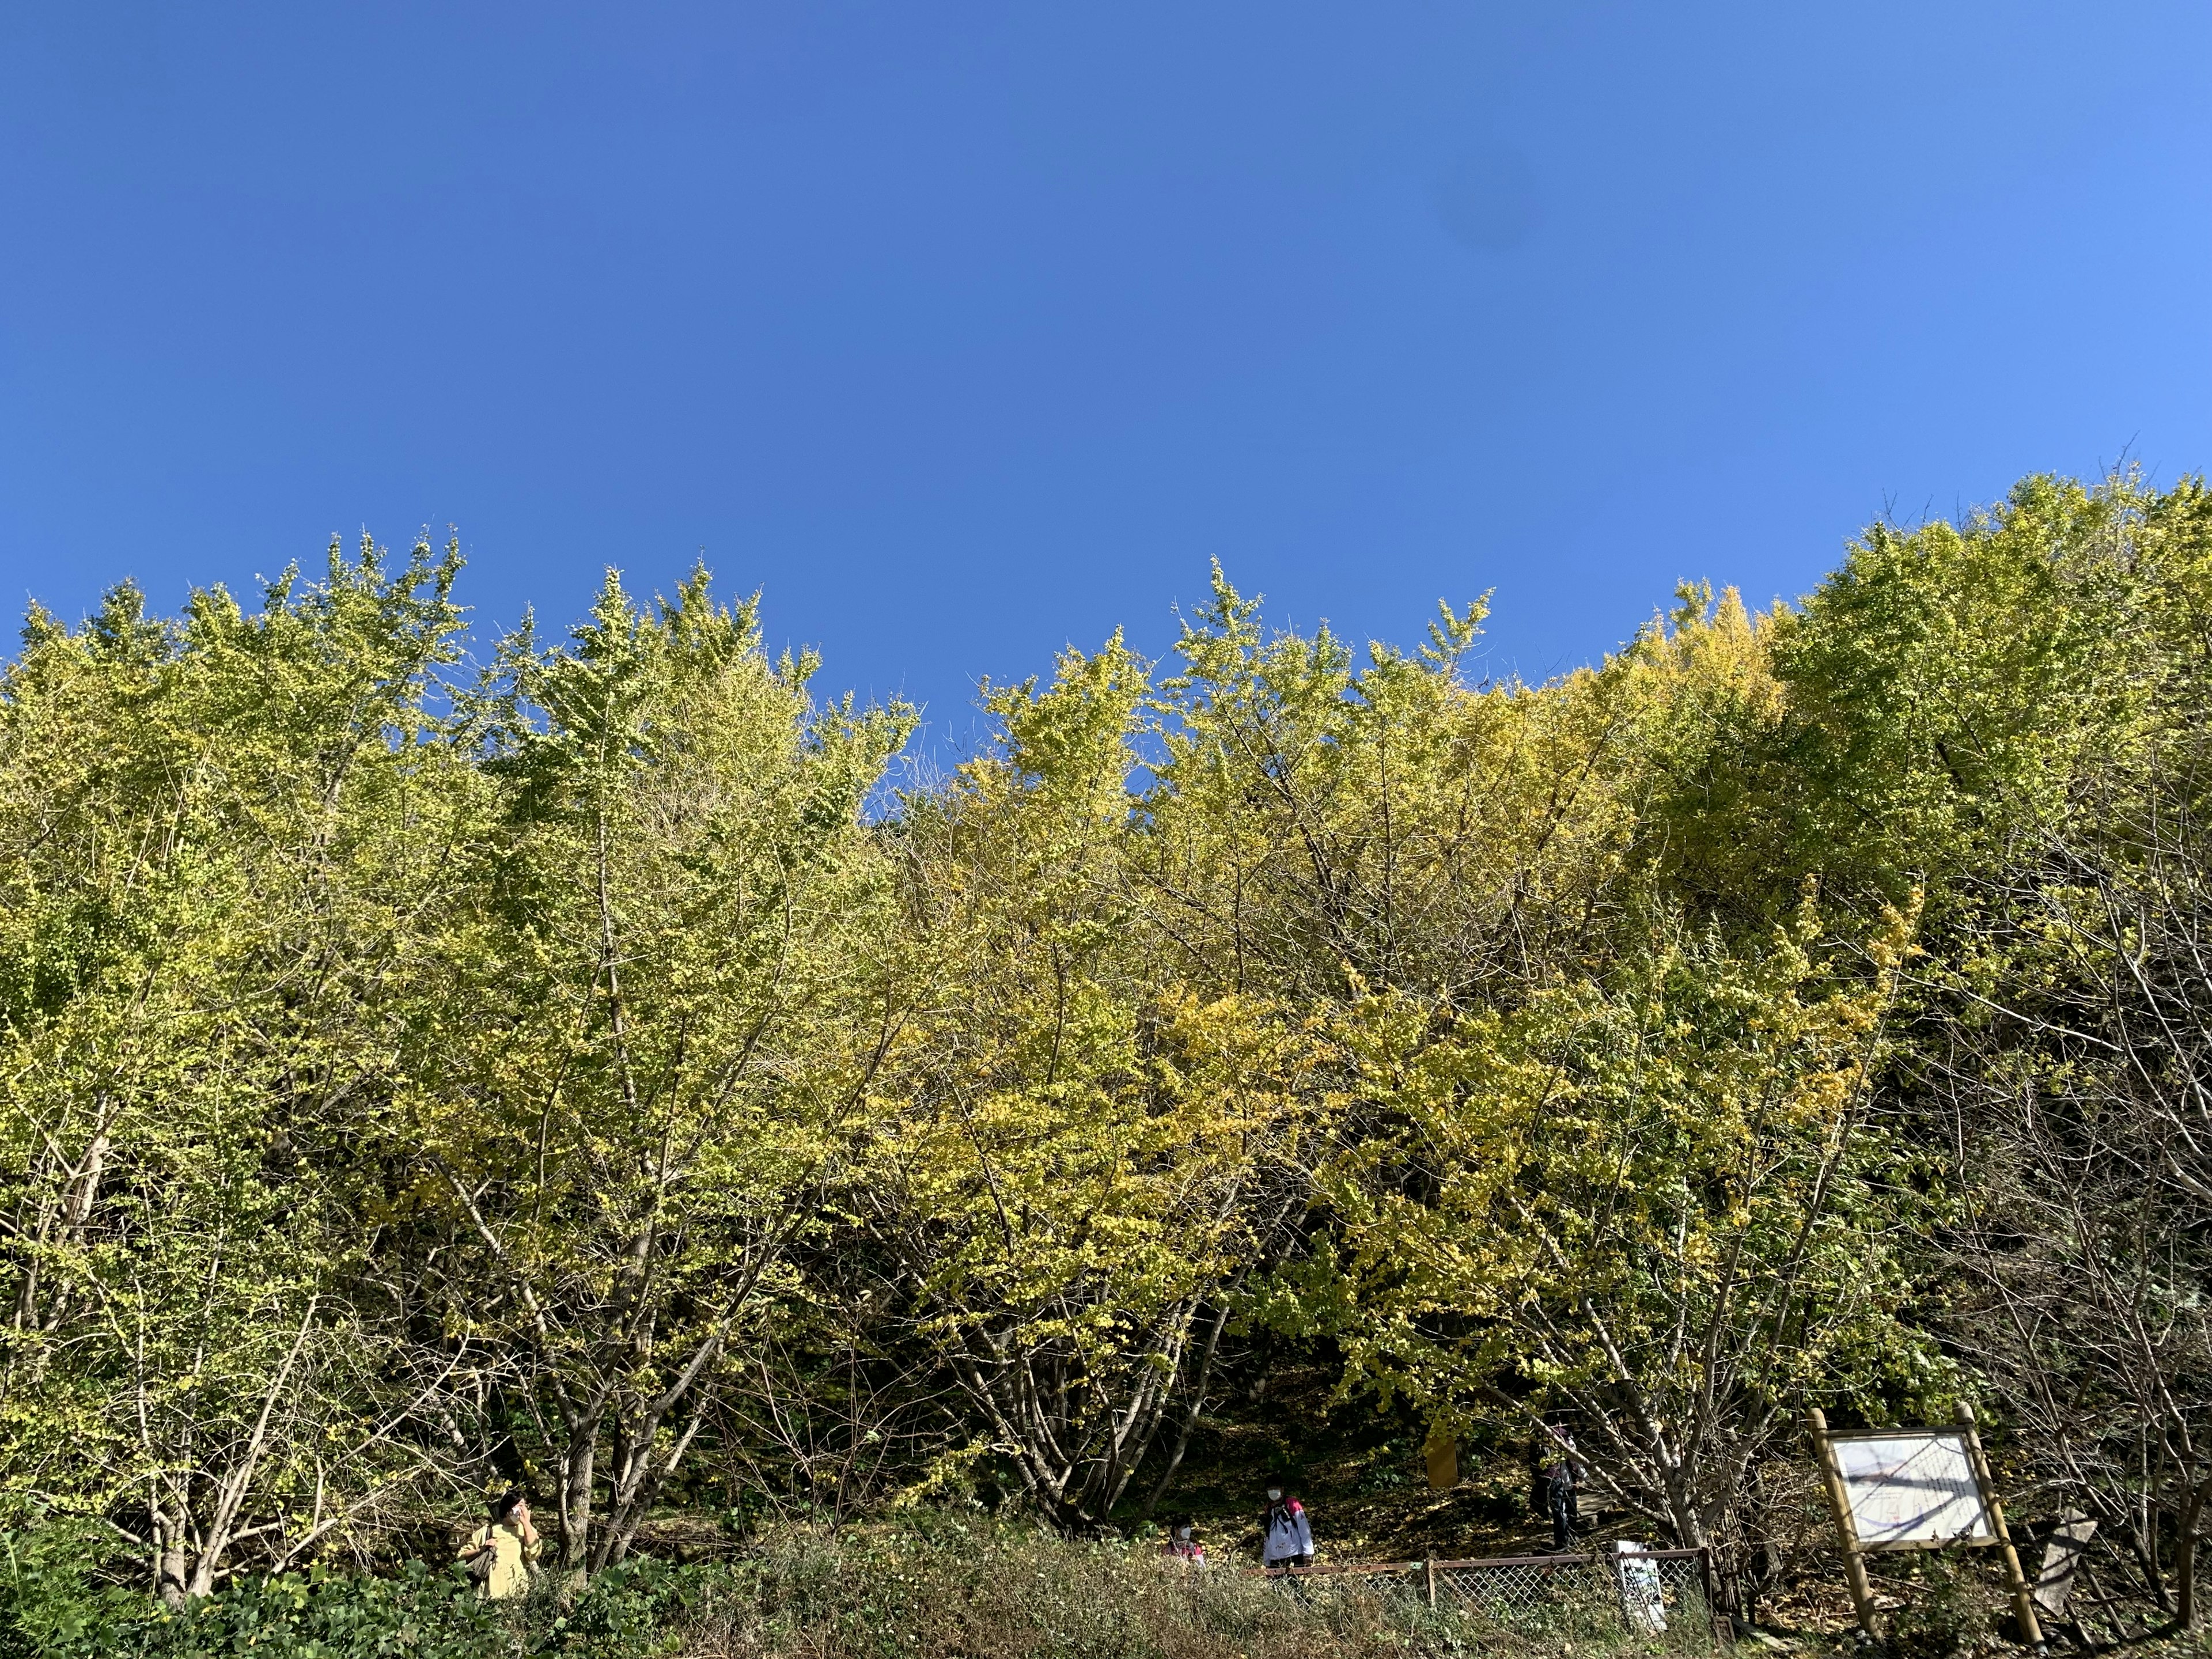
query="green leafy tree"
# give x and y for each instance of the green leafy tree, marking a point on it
(1650, 1209)
(1085, 1159)
(217, 840)
(657, 1029)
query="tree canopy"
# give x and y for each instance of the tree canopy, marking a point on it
(596, 1070)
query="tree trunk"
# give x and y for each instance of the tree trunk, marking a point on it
(170, 1561)
(2186, 1614)
(628, 1512)
(578, 1472)
(1190, 1413)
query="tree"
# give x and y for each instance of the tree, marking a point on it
(215, 841)
(656, 1029)
(1085, 1159)
(1651, 1207)
(2067, 1060)
(2075, 1084)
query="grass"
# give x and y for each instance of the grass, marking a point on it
(947, 1590)
(928, 1587)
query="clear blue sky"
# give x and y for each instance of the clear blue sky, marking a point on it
(969, 331)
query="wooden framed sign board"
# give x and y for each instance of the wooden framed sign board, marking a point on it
(1914, 1489)
(1911, 1489)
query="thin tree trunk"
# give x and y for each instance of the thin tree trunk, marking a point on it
(2185, 1615)
(1190, 1413)
(170, 1560)
(579, 1470)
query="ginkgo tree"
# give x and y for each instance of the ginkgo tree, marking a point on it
(217, 837)
(657, 1025)
(593, 1076)
(1081, 1158)
(1651, 1210)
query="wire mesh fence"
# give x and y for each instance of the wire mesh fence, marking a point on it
(1661, 1596)
(1642, 1592)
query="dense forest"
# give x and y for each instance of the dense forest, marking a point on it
(609, 1066)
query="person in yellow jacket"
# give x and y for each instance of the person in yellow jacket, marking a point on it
(500, 1552)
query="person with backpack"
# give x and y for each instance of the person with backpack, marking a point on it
(500, 1552)
(1183, 1546)
(1286, 1537)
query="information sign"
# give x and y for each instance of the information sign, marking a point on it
(1916, 1489)
(1910, 1488)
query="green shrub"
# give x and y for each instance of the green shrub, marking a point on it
(933, 1587)
(51, 1606)
(420, 1614)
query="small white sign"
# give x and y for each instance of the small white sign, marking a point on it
(1642, 1597)
(1910, 1487)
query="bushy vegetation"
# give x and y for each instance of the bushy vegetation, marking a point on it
(591, 1070)
(946, 1590)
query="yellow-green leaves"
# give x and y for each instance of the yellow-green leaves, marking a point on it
(591, 1072)
(219, 841)
(1654, 1199)
(653, 1026)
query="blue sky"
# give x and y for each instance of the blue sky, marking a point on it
(966, 331)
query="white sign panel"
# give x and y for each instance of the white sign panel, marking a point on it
(1912, 1486)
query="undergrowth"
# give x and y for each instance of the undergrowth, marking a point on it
(932, 1588)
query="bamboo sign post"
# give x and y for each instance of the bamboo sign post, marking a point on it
(2023, 1595)
(1914, 1489)
(1839, 1502)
